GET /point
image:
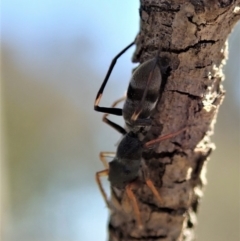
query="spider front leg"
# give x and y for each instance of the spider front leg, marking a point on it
(114, 111)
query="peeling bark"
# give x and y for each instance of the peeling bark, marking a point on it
(192, 35)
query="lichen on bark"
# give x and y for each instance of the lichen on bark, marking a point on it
(192, 37)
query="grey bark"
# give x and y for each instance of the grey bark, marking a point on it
(192, 36)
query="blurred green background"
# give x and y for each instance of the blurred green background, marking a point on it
(54, 55)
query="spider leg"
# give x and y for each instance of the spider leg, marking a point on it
(153, 189)
(133, 199)
(103, 155)
(114, 111)
(112, 124)
(97, 176)
(162, 138)
(149, 183)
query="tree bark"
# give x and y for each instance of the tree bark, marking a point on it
(192, 37)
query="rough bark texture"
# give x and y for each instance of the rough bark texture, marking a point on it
(192, 35)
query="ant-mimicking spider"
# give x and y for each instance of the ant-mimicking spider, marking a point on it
(142, 96)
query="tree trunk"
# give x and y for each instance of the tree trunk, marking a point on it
(192, 38)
